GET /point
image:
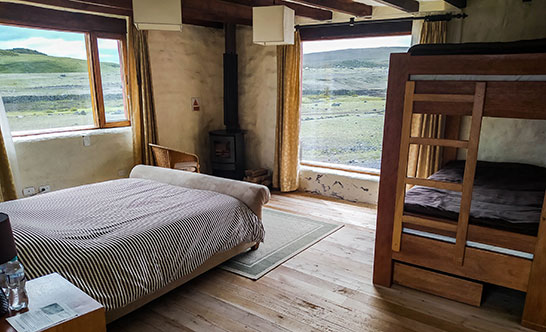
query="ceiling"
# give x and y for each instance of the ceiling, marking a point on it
(215, 13)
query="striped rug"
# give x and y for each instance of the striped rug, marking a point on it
(286, 235)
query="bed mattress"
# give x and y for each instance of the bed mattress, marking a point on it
(121, 240)
(506, 196)
(514, 47)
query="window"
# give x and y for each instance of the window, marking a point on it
(56, 81)
(343, 99)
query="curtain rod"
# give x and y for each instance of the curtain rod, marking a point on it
(352, 22)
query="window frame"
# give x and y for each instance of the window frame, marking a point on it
(95, 82)
(340, 33)
(95, 78)
(341, 167)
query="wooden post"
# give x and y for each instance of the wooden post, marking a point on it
(403, 166)
(534, 313)
(398, 75)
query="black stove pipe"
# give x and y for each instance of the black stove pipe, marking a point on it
(231, 86)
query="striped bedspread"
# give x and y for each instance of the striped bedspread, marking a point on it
(123, 239)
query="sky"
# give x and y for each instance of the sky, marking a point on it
(70, 44)
(55, 43)
(342, 44)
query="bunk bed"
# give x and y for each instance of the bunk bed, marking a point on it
(453, 252)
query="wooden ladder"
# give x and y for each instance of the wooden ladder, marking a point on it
(461, 228)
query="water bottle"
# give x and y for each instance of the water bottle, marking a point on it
(4, 305)
(3, 284)
(15, 280)
(3, 280)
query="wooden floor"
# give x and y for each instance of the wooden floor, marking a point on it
(325, 288)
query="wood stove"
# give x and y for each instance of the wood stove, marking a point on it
(228, 154)
(227, 147)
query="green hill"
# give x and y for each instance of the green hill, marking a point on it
(22, 60)
(360, 71)
(352, 58)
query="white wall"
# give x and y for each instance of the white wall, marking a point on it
(503, 20)
(188, 64)
(506, 20)
(257, 98)
(344, 185)
(61, 160)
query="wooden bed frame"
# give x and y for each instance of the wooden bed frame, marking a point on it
(433, 265)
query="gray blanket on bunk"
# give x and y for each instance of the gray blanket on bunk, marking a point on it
(123, 239)
(506, 196)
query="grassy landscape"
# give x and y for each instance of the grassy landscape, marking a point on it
(343, 105)
(342, 114)
(41, 91)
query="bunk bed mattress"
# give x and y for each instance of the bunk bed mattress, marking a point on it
(121, 240)
(506, 196)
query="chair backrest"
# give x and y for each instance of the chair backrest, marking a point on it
(161, 156)
(166, 157)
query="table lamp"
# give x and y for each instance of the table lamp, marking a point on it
(7, 253)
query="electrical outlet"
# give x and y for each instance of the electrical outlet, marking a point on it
(86, 140)
(44, 189)
(29, 191)
(122, 173)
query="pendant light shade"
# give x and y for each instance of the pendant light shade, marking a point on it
(158, 14)
(273, 25)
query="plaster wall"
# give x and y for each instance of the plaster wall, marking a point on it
(340, 184)
(61, 160)
(188, 64)
(503, 20)
(257, 98)
(506, 20)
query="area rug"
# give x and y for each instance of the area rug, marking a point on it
(286, 235)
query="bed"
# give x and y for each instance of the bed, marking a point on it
(493, 229)
(506, 196)
(125, 242)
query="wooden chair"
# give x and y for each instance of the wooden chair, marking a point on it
(170, 158)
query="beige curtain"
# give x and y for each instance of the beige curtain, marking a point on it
(287, 138)
(7, 185)
(424, 160)
(143, 118)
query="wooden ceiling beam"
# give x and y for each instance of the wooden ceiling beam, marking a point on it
(125, 4)
(207, 24)
(410, 6)
(343, 6)
(123, 8)
(217, 11)
(300, 10)
(36, 17)
(457, 3)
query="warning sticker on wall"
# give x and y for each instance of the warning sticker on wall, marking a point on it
(195, 104)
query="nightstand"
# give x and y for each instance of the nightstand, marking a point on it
(54, 288)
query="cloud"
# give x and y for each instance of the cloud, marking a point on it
(342, 44)
(55, 43)
(54, 47)
(16, 33)
(108, 50)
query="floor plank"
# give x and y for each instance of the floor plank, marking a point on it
(325, 288)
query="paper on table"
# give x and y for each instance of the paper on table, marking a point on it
(42, 318)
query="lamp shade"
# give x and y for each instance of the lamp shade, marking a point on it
(273, 25)
(158, 15)
(7, 244)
